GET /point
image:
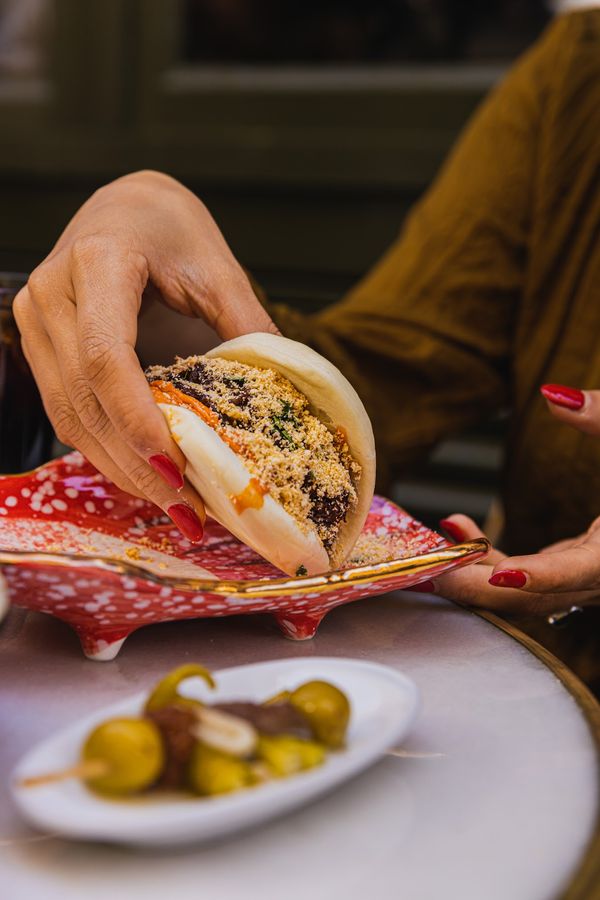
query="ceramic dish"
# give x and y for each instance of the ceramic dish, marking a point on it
(74, 546)
(384, 706)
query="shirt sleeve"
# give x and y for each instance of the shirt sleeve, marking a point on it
(426, 336)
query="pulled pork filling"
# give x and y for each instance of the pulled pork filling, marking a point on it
(293, 456)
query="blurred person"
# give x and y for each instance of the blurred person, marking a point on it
(491, 291)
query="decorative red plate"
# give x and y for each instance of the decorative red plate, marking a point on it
(75, 546)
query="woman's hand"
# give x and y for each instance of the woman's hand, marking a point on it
(559, 576)
(78, 321)
(562, 575)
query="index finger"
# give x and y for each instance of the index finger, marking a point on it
(470, 587)
(576, 568)
(108, 282)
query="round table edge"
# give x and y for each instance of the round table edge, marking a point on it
(586, 879)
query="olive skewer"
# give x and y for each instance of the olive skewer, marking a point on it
(180, 742)
(120, 756)
(123, 756)
(89, 768)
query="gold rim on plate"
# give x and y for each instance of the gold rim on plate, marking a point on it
(462, 554)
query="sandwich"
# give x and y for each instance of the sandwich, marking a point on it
(278, 444)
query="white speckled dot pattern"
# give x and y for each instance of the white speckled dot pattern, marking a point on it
(69, 507)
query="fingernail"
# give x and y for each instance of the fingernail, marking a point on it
(187, 521)
(513, 578)
(425, 587)
(167, 470)
(568, 397)
(451, 528)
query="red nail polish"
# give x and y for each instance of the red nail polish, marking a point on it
(187, 521)
(425, 587)
(513, 578)
(569, 398)
(451, 528)
(167, 470)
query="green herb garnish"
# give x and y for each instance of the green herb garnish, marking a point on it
(280, 421)
(231, 380)
(280, 429)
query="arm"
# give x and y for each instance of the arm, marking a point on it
(427, 336)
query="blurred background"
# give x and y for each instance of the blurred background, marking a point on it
(309, 128)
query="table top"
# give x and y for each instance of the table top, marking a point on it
(494, 795)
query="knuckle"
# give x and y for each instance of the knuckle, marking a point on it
(96, 358)
(41, 280)
(142, 477)
(86, 249)
(146, 183)
(64, 421)
(40, 288)
(90, 413)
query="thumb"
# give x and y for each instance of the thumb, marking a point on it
(236, 310)
(462, 528)
(581, 409)
(231, 307)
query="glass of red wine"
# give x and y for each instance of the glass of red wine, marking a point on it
(26, 436)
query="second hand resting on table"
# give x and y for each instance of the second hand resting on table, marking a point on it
(147, 234)
(562, 575)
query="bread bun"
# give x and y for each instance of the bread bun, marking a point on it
(221, 476)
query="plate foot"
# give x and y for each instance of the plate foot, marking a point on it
(98, 648)
(299, 626)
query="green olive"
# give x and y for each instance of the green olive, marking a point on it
(133, 752)
(286, 755)
(213, 772)
(165, 692)
(326, 708)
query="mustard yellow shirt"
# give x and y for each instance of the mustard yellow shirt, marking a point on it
(492, 289)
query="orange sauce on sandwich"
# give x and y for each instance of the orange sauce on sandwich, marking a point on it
(252, 497)
(165, 392)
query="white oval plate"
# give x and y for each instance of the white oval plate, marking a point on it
(384, 706)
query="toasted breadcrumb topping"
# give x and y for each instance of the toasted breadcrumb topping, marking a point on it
(306, 468)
